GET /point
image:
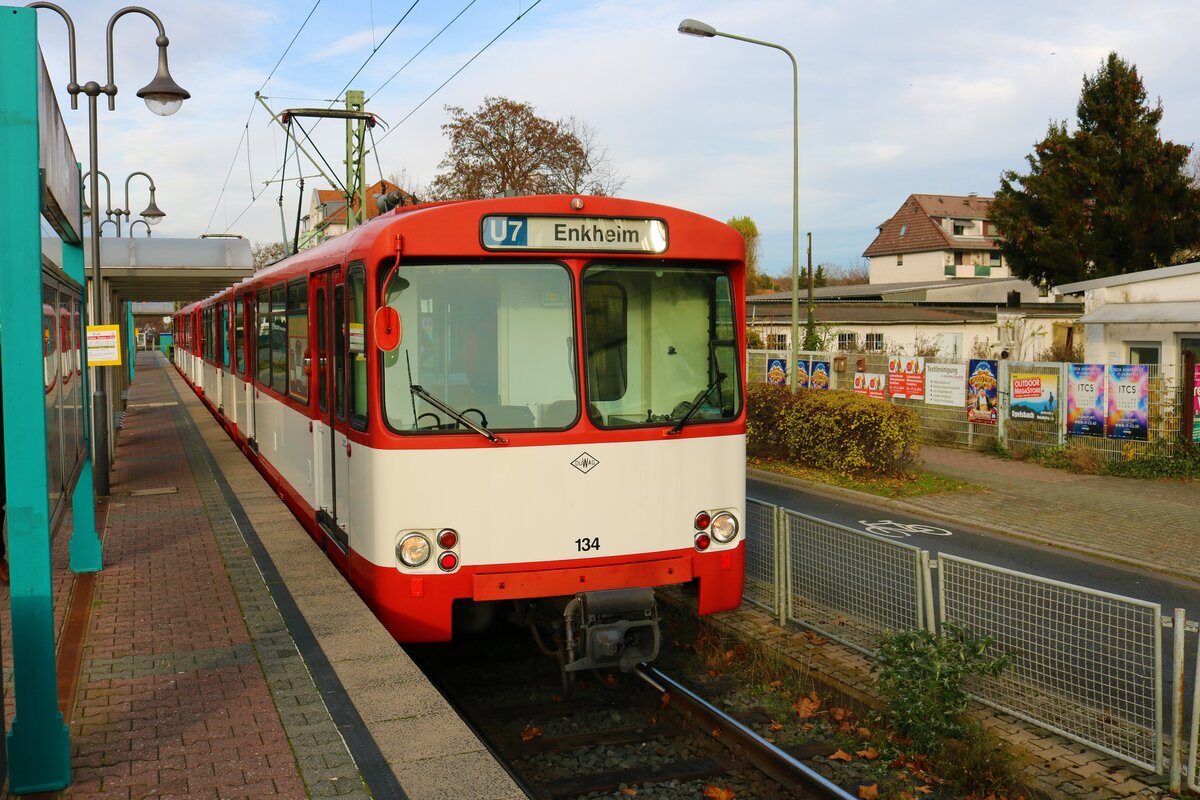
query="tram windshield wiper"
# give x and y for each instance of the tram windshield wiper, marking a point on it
(695, 406)
(455, 414)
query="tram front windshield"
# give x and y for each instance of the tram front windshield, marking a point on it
(497, 343)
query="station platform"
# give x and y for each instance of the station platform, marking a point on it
(219, 654)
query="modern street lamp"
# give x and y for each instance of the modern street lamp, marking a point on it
(693, 27)
(164, 97)
(152, 215)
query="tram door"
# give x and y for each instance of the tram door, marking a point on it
(250, 350)
(331, 447)
(237, 336)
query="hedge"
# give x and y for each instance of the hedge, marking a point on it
(840, 431)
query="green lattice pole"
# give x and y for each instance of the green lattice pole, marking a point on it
(39, 748)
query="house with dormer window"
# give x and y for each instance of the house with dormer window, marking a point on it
(937, 237)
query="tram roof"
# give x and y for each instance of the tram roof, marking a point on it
(164, 269)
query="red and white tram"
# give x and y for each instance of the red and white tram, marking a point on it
(528, 405)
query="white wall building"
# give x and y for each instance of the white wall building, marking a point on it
(937, 237)
(1147, 317)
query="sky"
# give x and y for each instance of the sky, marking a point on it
(895, 98)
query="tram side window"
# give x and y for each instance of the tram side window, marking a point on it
(239, 338)
(279, 353)
(358, 348)
(297, 339)
(263, 325)
(339, 349)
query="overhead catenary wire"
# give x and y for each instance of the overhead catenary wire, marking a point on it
(460, 69)
(246, 129)
(422, 50)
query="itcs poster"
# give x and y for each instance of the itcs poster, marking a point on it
(1128, 402)
(1085, 399)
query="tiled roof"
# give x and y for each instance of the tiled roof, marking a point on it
(338, 217)
(916, 226)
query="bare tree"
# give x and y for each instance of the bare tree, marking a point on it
(594, 173)
(504, 148)
(266, 254)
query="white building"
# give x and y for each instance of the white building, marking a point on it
(1147, 317)
(937, 237)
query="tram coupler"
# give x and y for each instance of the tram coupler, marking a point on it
(615, 627)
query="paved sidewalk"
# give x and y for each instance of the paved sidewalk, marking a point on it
(1150, 523)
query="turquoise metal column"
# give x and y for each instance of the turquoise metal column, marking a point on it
(39, 747)
(86, 553)
(129, 329)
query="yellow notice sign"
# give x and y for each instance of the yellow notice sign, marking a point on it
(103, 345)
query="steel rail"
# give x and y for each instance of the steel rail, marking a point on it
(764, 755)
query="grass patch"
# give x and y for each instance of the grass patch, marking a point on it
(908, 484)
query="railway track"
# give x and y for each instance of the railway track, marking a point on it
(615, 735)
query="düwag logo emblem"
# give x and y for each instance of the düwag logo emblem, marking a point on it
(585, 463)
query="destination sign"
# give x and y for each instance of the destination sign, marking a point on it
(607, 234)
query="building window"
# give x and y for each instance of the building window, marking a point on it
(994, 258)
(777, 341)
(900, 260)
(1144, 352)
(904, 229)
(847, 341)
(960, 229)
(874, 342)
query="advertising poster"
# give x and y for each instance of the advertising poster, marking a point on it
(906, 377)
(818, 376)
(1085, 399)
(982, 395)
(801, 374)
(1128, 402)
(946, 385)
(1196, 406)
(1031, 397)
(777, 371)
(297, 347)
(872, 384)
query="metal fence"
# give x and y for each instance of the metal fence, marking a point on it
(1083, 663)
(948, 425)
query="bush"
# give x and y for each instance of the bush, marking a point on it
(840, 431)
(920, 680)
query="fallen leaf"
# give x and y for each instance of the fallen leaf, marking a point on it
(611, 679)
(923, 789)
(869, 792)
(807, 706)
(717, 793)
(530, 732)
(864, 732)
(813, 639)
(839, 713)
(629, 791)
(775, 726)
(665, 699)
(841, 755)
(839, 621)
(906, 795)
(712, 673)
(808, 726)
(776, 684)
(869, 753)
(716, 732)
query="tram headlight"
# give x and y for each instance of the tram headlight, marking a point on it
(724, 527)
(413, 550)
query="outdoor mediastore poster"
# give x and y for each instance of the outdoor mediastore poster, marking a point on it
(906, 377)
(1031, 396)
(872, 384)
(982, 393)
(777, 371)
(818, 375)
(1128, 402)
(1085, 399)
(946, 385)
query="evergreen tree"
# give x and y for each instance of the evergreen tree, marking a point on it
(1111, 197)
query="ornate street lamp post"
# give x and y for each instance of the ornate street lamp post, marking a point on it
(151, 216)
(164, 97)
